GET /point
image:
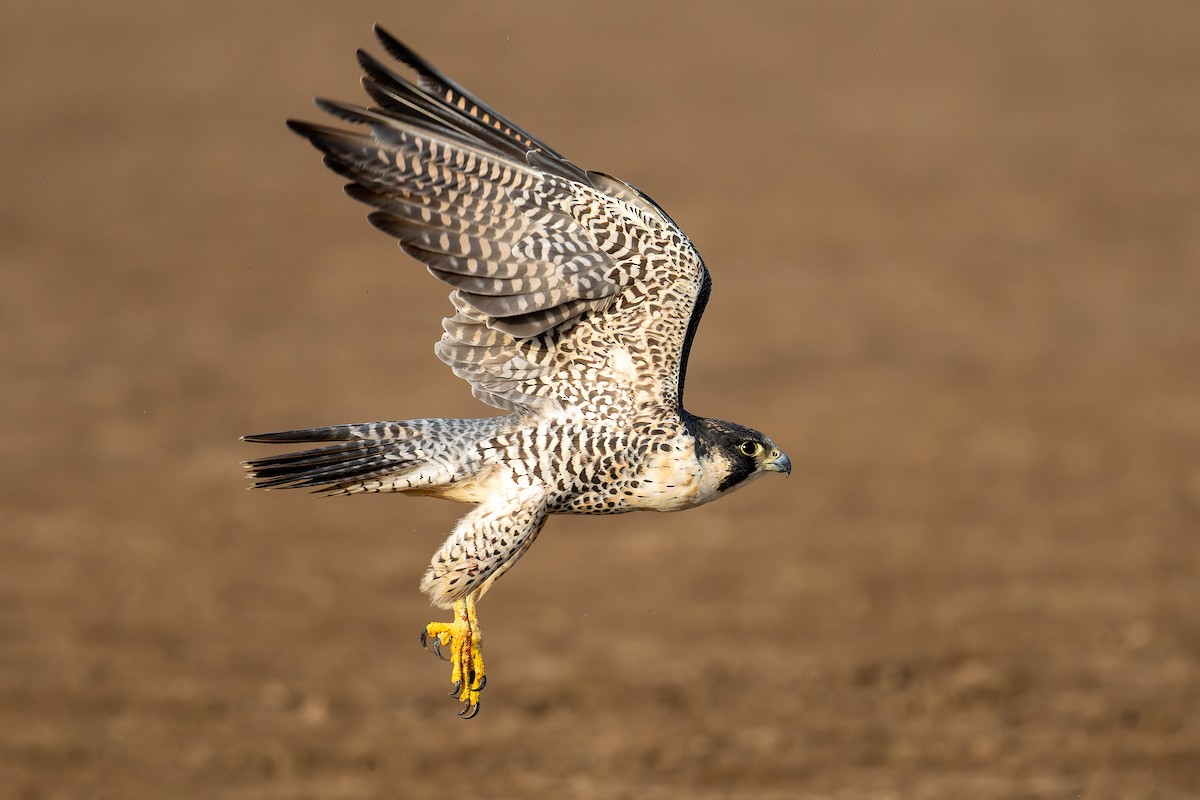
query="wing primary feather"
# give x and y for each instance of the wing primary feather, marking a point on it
(315, 132)
(426, 213)
(454, 96)
(400, 98)
(385, 125)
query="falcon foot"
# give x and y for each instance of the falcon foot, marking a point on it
(465, 643)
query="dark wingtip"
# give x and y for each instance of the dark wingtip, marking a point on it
(395, 48)
(300, 127)
(365, 60)
(406, 55)
(347, 112)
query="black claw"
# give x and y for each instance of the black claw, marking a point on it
(457, 689)
(469, 711)
(482, 684)
(435, 648)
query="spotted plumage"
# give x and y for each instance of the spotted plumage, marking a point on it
(575, 301)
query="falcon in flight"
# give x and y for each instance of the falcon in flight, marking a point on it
(576, 299)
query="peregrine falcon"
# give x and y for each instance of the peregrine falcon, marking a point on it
(576, 300)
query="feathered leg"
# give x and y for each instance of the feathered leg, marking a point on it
(484, 544)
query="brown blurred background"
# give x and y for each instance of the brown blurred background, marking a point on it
(956, 249)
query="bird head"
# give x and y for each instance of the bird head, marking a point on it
(735, 453)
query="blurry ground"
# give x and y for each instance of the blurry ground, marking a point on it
(957, 260)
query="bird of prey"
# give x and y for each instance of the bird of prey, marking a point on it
(576, 299)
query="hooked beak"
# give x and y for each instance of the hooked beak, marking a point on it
(778, 461)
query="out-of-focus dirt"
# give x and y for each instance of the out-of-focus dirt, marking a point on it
(956, 250)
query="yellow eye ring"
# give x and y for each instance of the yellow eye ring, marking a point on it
(749, 448)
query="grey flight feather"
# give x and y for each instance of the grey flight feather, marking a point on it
(544, 258)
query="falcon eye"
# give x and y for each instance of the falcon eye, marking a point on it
(751, 449)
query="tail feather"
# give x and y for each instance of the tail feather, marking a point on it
(317, 457)
(371, 457)
(323, 466)
(330, 433)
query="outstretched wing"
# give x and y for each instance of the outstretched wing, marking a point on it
(573, 292)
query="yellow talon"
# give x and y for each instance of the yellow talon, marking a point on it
(466, 653)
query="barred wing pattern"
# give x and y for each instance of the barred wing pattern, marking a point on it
(574, 294)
